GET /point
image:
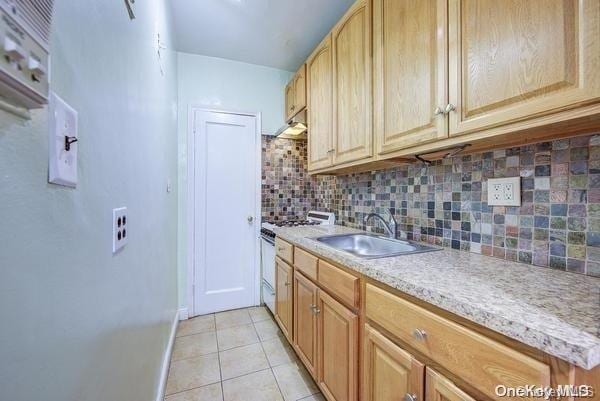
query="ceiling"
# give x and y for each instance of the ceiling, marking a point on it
(273, 33)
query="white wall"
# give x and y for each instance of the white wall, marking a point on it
(77, 322)
(228, 85)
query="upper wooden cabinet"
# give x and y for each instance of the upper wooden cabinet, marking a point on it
(409, 72)
(289, 100)
(295, 93)
(514, 60)
(351, 45)
(300, 88)
(320, 106)
(390, 373)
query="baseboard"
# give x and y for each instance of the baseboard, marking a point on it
(164, 372)
(183, 314)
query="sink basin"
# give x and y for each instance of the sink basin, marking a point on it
(370, 246)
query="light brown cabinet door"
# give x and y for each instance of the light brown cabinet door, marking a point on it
(283, 296)
(320, 106)
(389, 372)
(289, 100)
(514, 60)
(337, 341)
(409, 73)
(300, 89)
(439, 388)
(351, 44)
(305, 321)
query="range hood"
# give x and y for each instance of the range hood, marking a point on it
(295, 128)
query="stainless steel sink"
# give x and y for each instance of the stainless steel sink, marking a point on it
(370, 246)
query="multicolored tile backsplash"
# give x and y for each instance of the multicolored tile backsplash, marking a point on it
(287, 190)
(445, 203)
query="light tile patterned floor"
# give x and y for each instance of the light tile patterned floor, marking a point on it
(239, 355)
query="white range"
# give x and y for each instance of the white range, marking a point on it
(267, 250)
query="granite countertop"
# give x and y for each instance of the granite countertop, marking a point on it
(553, 311)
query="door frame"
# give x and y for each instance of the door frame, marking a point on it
(190, 208)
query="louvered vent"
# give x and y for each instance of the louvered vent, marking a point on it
(37, 14)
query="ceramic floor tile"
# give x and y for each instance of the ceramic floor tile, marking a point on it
(199, 324)
(315, 397)
(267, 330)
(232, 318)
(258, 386)
(211, 392)
(294, 381)
(236, 336)
(194, 345)
(259, 314)
(190, 373)
(279, 351)
(242, 360)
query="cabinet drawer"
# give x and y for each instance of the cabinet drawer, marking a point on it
(344, 285)
(478, 360)
(284, 250)
(306, 263)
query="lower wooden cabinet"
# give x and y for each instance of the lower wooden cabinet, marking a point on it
(337, 340)
(305, 321)
(439, 388)
(389, 372)
(283, 296)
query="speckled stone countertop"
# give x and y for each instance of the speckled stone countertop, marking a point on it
(555, 312)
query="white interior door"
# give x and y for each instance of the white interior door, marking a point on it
(225, 162)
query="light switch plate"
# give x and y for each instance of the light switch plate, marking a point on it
(504, 191)
(120, 232)
(62, 122)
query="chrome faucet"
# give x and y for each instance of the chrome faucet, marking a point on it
(390, 226)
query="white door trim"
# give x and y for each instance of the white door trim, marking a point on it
(190, 176)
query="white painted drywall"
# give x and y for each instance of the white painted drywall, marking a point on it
(79, 323)
(228, 85)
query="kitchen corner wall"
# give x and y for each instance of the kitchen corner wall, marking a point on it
(79, 323)
(557, 225)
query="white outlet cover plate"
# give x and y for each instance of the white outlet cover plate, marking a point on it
(120, 231)
(504, 191)
(62, 121)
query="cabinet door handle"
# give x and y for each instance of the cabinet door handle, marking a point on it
(331, 151)
(280, 248)
(410, 397)
(420, 334)
(438, 111)
(449, 108)
(316, 310)
(287, 284)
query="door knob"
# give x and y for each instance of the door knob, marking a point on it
(250, 219)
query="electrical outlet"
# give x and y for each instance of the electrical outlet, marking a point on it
(120, 233)
(504, 191)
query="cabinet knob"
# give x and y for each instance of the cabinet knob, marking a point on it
(316, 310)
(287, 284)
(410, 397)
(438, 111)
(449, 108)
(331, 151)
(280, 249)
(419, 334)
(250, 219)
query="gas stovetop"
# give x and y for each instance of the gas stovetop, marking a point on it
(312, 219)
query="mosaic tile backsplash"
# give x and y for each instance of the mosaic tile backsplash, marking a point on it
(445, 203)
(287, 190)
